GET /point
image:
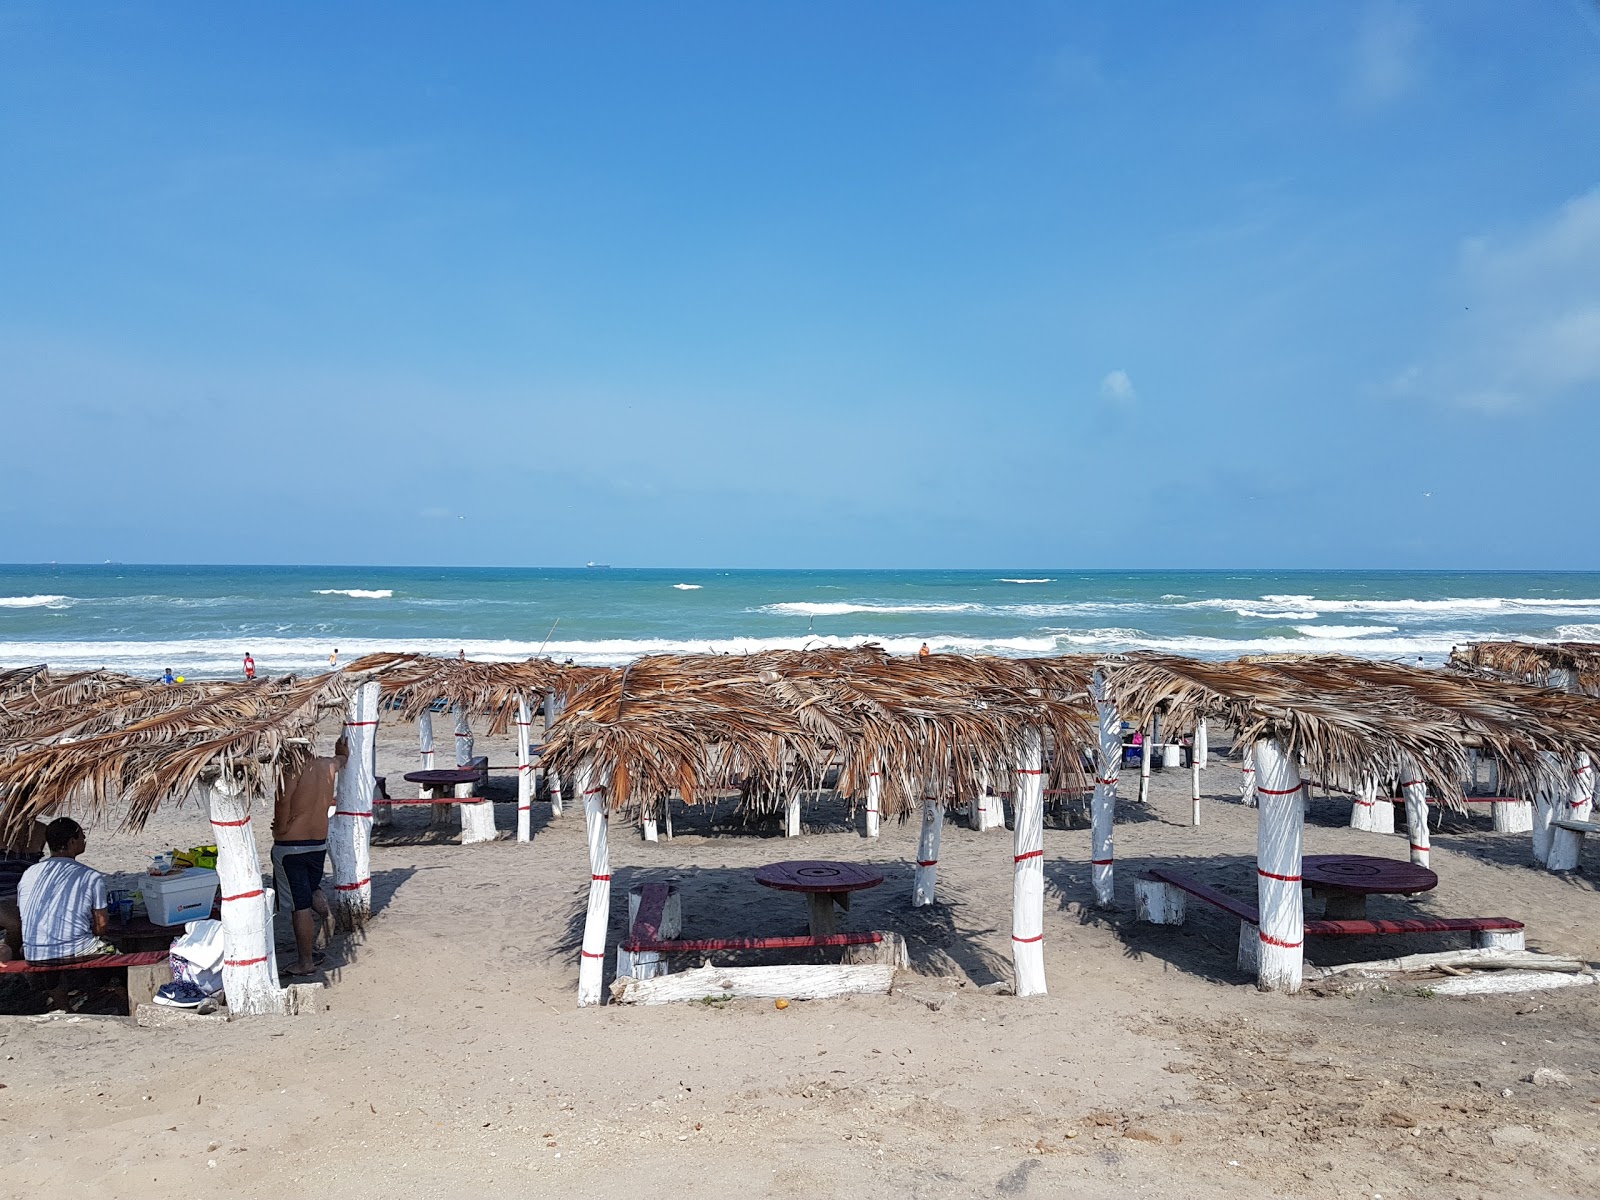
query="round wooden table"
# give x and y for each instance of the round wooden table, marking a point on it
(825, 884)
(444, 777)
(1346, 880)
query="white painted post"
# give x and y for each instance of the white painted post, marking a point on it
(477, 820)
(1415, 791)
(666, 815)
(987, 810)
(1546, 804)
(1027, 887)
(591, 966)
(350, 828)
(1194, 784)
(248, 978)
(791, 814)
(926, 877)
(1158, 903)
(1103, 804)
(648, 828)
(1364, 805)
(524, 771)
(1566, 847)
(874, 800)
(1279, 832)
(552, 778)
(425, 741)
(1202, 745)
(1512, 816)
(1247, 779)
(1144, 765)
(463, 735)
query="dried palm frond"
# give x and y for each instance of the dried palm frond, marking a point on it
(1546, 664)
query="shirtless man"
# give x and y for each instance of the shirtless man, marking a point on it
(300, 848)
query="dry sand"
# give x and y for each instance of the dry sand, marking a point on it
(451, 1059)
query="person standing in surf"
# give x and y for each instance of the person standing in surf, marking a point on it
(249, 666)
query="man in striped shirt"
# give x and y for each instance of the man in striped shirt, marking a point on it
(63, 901)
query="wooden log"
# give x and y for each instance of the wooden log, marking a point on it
(1485, 959)
(757, 983)
(1508, 981)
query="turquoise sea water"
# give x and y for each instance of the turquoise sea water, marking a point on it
(201, 620)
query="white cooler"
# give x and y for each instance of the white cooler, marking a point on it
(186, 896)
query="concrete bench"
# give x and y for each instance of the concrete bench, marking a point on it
(1566, 843)
(146, 971)
(1160, 899)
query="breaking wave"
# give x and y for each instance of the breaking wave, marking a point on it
(357, 593)
(35, 601)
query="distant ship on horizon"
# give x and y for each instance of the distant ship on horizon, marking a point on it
(594, 566)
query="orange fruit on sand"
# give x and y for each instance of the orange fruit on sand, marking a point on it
(780, 1004)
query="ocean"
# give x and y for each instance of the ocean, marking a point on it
(200, 621)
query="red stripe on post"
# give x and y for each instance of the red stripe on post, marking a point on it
(1275, 792)
(1424, 849)
(1039, 938)
(601, 878)
(1412, 783)
(1272, 941)
(1284, 878)
(358, 724)
(1028, 771)
(1101, 862)
(929, 862)
(1029, 854)
(350, 887)
(1108, 782)
(340, 812)
(586, 954)
(244, 895)
(243, 962)
(231, 824)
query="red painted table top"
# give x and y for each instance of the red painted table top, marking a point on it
(441, 777)
(1366, 874)
(807, 875)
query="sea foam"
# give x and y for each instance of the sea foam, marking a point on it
(358, 593)
(35, 601)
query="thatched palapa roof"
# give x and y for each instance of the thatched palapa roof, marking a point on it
(1534, 662)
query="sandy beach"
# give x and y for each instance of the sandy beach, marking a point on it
(450, 1057)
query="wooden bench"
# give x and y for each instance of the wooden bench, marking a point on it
(146, 971)
(1566, 843)
(1160, 895)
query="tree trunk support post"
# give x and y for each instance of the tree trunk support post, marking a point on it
(1027, 886)
(1414, 790)
(874, 800)
(1279, 832)
(1145, 740)
(591, 964)
(350, 829)
(925, 878)
(552, 779)
(1566, 847)
(1103, 805)
(1247, 779)
(249, 956)
(524, 770)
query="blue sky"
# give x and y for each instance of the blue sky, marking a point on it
(897, 284)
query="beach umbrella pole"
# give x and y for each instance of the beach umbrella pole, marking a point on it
(249, 955)
(1280, 827)
(524, 771)
(591, 964)
(350, 828)
(1103, 804)
(1027, 879)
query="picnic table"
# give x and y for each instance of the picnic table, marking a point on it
(445, 777)
(1345, 881)
(824, 884)
(140, 933)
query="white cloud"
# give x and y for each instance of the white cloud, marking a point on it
(1385, 63)
(1118, 389)
(1528, 327)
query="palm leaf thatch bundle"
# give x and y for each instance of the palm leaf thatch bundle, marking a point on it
(1349, 719)
(774, 723)
(1533, 662)
(147, 743)
(414, 683)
